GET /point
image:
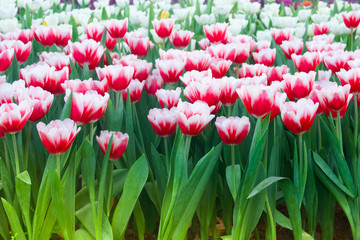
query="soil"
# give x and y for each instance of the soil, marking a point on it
(342, 229)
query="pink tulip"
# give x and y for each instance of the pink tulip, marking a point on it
(138, 45)
(45, 35)
(135, 89)
(306, 62)
(62, 36)
(276, 74)
(6, 57)
(142, 69)
(226, 52)
(248, 70)
(163, 121)
(293, 46)
(58, 135)
(13, 117)
(321, 28)
(232, 130)
(351, 77)
(336, 97)
(78, 86)
(154, 82)
(181, 38)
(163, 27)
(117, 28)
(280, 99)
(118, 146)
(260, 45)
(21, 50)
(194, 75)
(219, 67)
(336, 61)
(351, 19)
(216, 33)
(88, 52)
(170, 98)
(117, 76)
(242, 52)
(197, 60)
(55, 59)
(229, 95)
(94, 31)
(265, 56)
(298, 85)
(281, 35)
(170, 70)
(204, 43)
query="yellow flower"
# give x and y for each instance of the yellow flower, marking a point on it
(44, 23)
(164, 14)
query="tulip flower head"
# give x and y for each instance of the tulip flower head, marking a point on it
(163, 121)
(13, 117)
(232, 130)
(118, 146)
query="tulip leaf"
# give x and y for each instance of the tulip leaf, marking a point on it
(129, 125)
(4, 225)
(229, 178)
(23, 194)
(85, 72)
(263, 185)
(133, 186)
(6, 181)
(66, 111)
(74, 73)
(330, 174)
(75, 33)
(13, 220)
(283, 221)
(82, 234)
(14, 70)
(104, 15)
(190, 195)
(103, 38)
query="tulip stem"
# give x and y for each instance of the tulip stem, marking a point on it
(338, 126)
(356, 122)
(91, 132)
(117, 100)
(58, 103)
(17, 165)
(7, 160)
(229, 110)
(58, 164)
(352, 40)
(271, 219)
(319, 132)
(233, 170)
(27, 146)
(166, 146)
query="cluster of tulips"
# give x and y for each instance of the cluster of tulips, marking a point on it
(229, 126)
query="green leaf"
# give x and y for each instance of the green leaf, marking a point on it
(74, 73)
(75, 34)
(23, 194)
(330, 174)
(130, 150)
(82, 234)
(134, 184)
(283, 221)
(104, 15)
(263, 185)
(85, 72)
(190, 195)
(14, 220)
(4, 225)
(14, 70)
(229, 178)
(66, 111)
(6, 181)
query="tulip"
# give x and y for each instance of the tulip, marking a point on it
(57, 136)
(170, 70)
(306, 62)
(39, 99)
(9, 91)
(320, 29)
(163, 121)
(142, 69)
(118, 146)
(110, 42)
(298, 85)
(336, 97)
(248, 70)
(154, 82)
(135, 89)
(197, 60)
(87, 107)
(294, 46)
(21, 50)
(88, 52)
(219, 67)
(263, 44)
(193, 117)
(181, 38)
(163, 27)
(216, 33)
(117, 28)
(117, 76)
(244, 39)
(63, 35)
(232, 130)
(170, 98)
(6, 57)
(229, 95)
(194, 75)
(13, 117)
(299, 116)
(317, 97)
(2, 79)
(226, 52)
(281, 35)
(94, 31)
(45, 35)
(351, 77)
(55, 59)
(265, 56)
(24, 35)
(337, 61)
(280, 99)
(78, 86)
(138, 46)
(276, 74)
(204, 43)
(351, 19)
(258, 99)
(242, 53)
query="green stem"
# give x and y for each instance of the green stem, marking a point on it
(356, 121)
(338, 125)
(118, 94)
(352, 40)
(27, 146)
(91, 132)
(58, 165)
(17, 165)
(229, 110)
(319, 133)
(7, 159)
(166, 146)
(233, 171)
(271, 219)
(59, 103)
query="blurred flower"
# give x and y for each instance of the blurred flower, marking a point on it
(170, 98)
(88, 52)
(276, 74)
(6, 57)
(219, 67)
(229, 85)
(13, 117)
(154, 82)
(163, 27)
(351, 77)
(163, 121)
(293, 46)
(181, 38)
(216, 33)
(265, 56)
(351, 19)
(281, 35)
(117, 28)
(82, 86)
(45, 35)
(118, 146)
(336, 97)
(135, 89)
(306, 62)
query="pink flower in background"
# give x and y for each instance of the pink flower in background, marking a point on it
(6, 57)
(193, 117)
(163, 27)
(317, 97)
(351, 19)
(8, 92)
(242, 52)
(281, 35)
(55, 59)
(351, 77)
(118, 146)
(204, 43)
(110, 42)
(276, 74)
(336, 61)
(170, 98)
(172, 54)
(154, 82)
(82, 86)
(216, 33)
(21, 50)
(224, 51)
(321, 28)
(181, 38)
(62, 36)
(39, 99)
(117, 76)
(229, 85)
(265, 56)
(116, 28)
(254, 70)
(170, 70)
(13, 117)
(94, 31)
(298, 85)
(24, 35)
(242, 38)
(87, 107)
(280, 99)
(58, 135)
(258, 99)
(163, 121)
(2, 79)
(142, 69)
(293, 46)
(260, 45)
(299, 116)
(232, 130)
(306, 62)
(336, 97)
(194, 75)
(197, 60)
(88, 52)
(219, 67)
(45, 35)
(135, 89)
(138, 45)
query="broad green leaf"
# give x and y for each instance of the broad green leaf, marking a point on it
(14, 71)
(129, 125)
(23, 194)
(4, 225)
(134, 184)
(190, 195)
(229, 178)
(74, 73)
(330, 174)
(75, 34)
(263, 185)
(283, 221)
(139, 221)
(82, 234)
(6, 181)
(66, 111)
(13, 220)
(85, 72)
